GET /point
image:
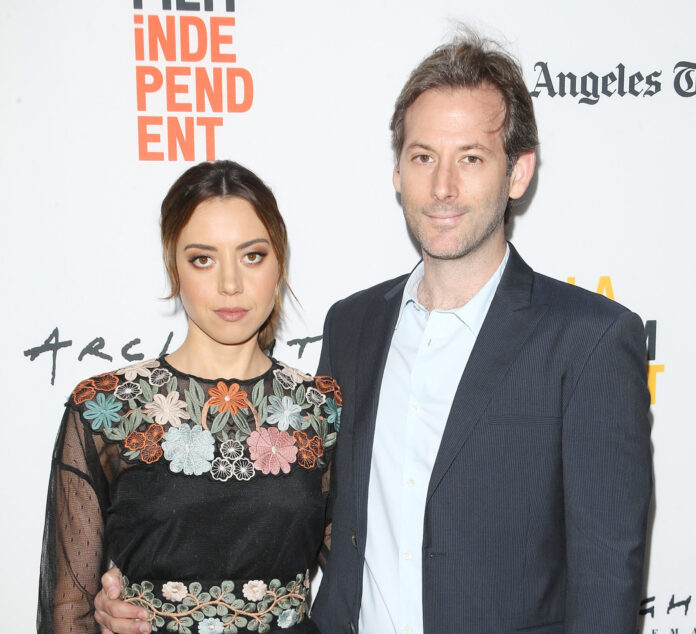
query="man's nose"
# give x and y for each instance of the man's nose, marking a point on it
(444, 182)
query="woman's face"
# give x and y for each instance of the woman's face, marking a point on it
(228, 271)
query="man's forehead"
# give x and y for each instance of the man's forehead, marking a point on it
(476, 111)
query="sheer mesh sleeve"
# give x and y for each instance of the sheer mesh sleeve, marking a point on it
(329, 494)
(73, 556)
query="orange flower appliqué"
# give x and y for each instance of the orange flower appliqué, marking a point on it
(325, 384)
(150, 453)
(228, 399)
(147, 443)
(308, 449)
(105, 382)
(84, 392)
(134, 441)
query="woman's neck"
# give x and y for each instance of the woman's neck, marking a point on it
(209, 359)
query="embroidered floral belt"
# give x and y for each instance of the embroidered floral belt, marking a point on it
(230, 607)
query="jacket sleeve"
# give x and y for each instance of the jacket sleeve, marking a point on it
(324, 369)
(607, 480)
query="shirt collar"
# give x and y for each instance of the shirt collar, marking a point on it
(472, 313)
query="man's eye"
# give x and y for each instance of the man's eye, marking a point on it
(472, 159)
(202, 261)
(422, 158)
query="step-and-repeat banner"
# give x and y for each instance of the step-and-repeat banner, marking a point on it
(103, 105)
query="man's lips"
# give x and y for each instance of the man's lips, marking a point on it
(231, 314)
(444, 219)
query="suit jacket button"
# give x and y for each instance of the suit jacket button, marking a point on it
(352, 627)
(354, 539)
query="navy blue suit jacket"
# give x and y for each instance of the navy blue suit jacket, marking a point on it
(537, 506)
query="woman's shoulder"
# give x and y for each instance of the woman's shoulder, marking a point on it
(121, 384)
(290, 377)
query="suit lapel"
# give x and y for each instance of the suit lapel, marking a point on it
(372, 348)
(510, 320)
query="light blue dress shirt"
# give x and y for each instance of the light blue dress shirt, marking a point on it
(427, 356)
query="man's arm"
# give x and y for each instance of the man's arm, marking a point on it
(324, 369)
(114, 615)
(607, 476)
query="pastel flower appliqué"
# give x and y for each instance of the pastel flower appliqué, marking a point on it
(174, 591)
(189, 449)
(254, 590)
(283, 412)
(221, 469)
(128, 390)
(228, 399)
(272, 450)
(167, 409)
(211, 626)
(144, 368)
(315, 397)
(333, 412)
(297, 376)
(243, 469)
(287, 618)
(232, 450)
(159, 376)
(285, 380)
(103, 411)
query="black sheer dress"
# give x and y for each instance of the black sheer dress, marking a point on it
(209, 496)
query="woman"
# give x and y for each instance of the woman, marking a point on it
(201, 475)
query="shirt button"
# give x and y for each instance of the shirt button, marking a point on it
(408, 556)
(407, 629)
(414, 408)
(411, 482)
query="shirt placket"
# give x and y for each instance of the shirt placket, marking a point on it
(414, 481)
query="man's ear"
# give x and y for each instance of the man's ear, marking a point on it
(396, 177)
(522, 172)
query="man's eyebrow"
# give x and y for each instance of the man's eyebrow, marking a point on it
(196, 245)
(462, 148)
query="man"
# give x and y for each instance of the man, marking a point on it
(493, 471)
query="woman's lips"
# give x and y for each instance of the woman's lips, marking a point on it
(231, 314)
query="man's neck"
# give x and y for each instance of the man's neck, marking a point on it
(449, 284)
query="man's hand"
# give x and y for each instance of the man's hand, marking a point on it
(114, 615)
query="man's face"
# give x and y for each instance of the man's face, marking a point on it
(451, 172)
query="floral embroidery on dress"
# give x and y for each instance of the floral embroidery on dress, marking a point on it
(167, 409)
(144, 368)
(229, 430)
(284, 412)
(87, 390)
(188, 449)
(102, 411)
(271, 450)
(219, 609)
(128, 390)
(228, 399)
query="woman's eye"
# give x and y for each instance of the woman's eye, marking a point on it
(254, 257)
(202, 261)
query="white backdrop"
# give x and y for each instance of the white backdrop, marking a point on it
(612, 205)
